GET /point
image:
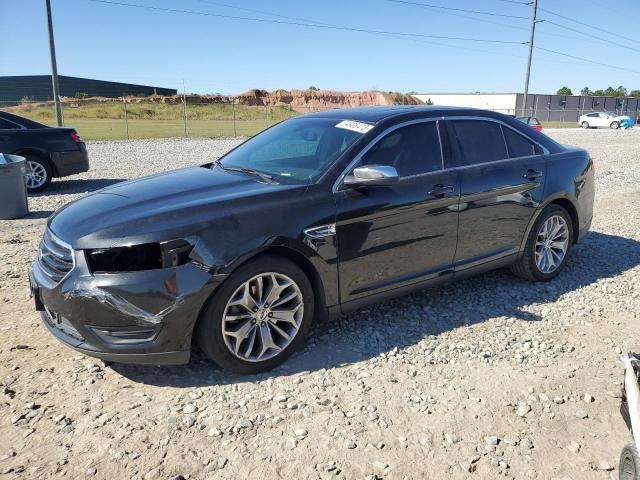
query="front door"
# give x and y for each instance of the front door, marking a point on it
(502, 184)
(393, 236)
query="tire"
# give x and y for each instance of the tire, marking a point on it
(629, 467)
(585, 125)
(615, 125)
(527, 267)
(219, 346)
(38, 173)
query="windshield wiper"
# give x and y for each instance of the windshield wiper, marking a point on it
(249, 171)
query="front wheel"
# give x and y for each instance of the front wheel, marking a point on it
(258, 317)
(548, 246)
(629, 468)
(584, 125)
(615, 125)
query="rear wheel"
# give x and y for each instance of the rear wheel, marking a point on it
(38, 174)
(548, 246)
(629, 467)
(258, 317)
(615, 125)
(584, 125)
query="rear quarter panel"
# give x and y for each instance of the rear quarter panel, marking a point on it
(46, 140)
(570, 175)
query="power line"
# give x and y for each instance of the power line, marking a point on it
(493, 22)
(590, 35)
(263, 12)
(303, 24)
(588, 25)
(440, 7)
(587, 60)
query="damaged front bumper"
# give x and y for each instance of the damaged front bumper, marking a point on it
(144, 317)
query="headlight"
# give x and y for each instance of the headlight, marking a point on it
(146, 256)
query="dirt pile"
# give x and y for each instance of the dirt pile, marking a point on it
(296, 99)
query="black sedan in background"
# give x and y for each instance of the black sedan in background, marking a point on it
(50, 151)
(316, 216)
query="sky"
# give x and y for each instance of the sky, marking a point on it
(211, 53)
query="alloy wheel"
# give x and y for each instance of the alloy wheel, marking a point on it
(552, 243)
(262, 317)
(36, 174)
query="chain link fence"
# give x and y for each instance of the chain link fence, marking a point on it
(137, 118)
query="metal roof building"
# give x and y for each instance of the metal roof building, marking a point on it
(563, 108)
(38, 88)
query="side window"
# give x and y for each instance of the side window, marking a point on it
(7, 125)
(519, 146)
(412, 150)
(478, 141)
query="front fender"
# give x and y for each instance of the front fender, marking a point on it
(318, 254)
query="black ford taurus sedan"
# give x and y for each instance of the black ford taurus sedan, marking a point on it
(314, 217)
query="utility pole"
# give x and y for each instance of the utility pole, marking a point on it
(54, 66)
(533, 32)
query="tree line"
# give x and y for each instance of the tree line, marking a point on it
(608, 92)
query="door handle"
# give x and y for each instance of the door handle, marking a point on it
(532, 174)
(440, 190)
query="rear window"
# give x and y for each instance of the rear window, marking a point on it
(477, 141)
(519, 146)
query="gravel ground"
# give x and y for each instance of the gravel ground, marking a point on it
(491, 377)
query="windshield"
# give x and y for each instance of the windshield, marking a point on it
(612, 114)
(298, 150)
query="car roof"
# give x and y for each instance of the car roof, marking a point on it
(379, 113)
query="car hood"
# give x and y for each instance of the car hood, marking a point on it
(160, 207)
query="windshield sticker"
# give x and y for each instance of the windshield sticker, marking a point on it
(354, 126)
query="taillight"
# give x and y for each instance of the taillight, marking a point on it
(592, 165)
(76, 138)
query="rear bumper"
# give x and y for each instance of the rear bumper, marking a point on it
(584, 230)
(70, 162)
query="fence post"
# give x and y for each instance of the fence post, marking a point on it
(266, 118)
(233, 106)
(126, 119)
(184, 114)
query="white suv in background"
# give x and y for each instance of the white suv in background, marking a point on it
(605, 119)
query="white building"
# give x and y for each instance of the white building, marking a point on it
(501, 102)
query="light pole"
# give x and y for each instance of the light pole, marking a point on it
(54, 66)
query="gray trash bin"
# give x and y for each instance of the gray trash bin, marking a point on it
(13, 187)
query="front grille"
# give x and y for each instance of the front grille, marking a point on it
(55, 258)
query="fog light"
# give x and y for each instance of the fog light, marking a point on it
(124, 335)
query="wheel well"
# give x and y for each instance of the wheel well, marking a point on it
(310, 271)
(573, 213)
(40, 155)
(301, 261)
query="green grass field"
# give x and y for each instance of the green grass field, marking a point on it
(106, 121)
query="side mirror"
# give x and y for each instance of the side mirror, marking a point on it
(372, 175)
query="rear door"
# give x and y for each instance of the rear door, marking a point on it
(393, 236)
(9, 132)
(502, 184)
